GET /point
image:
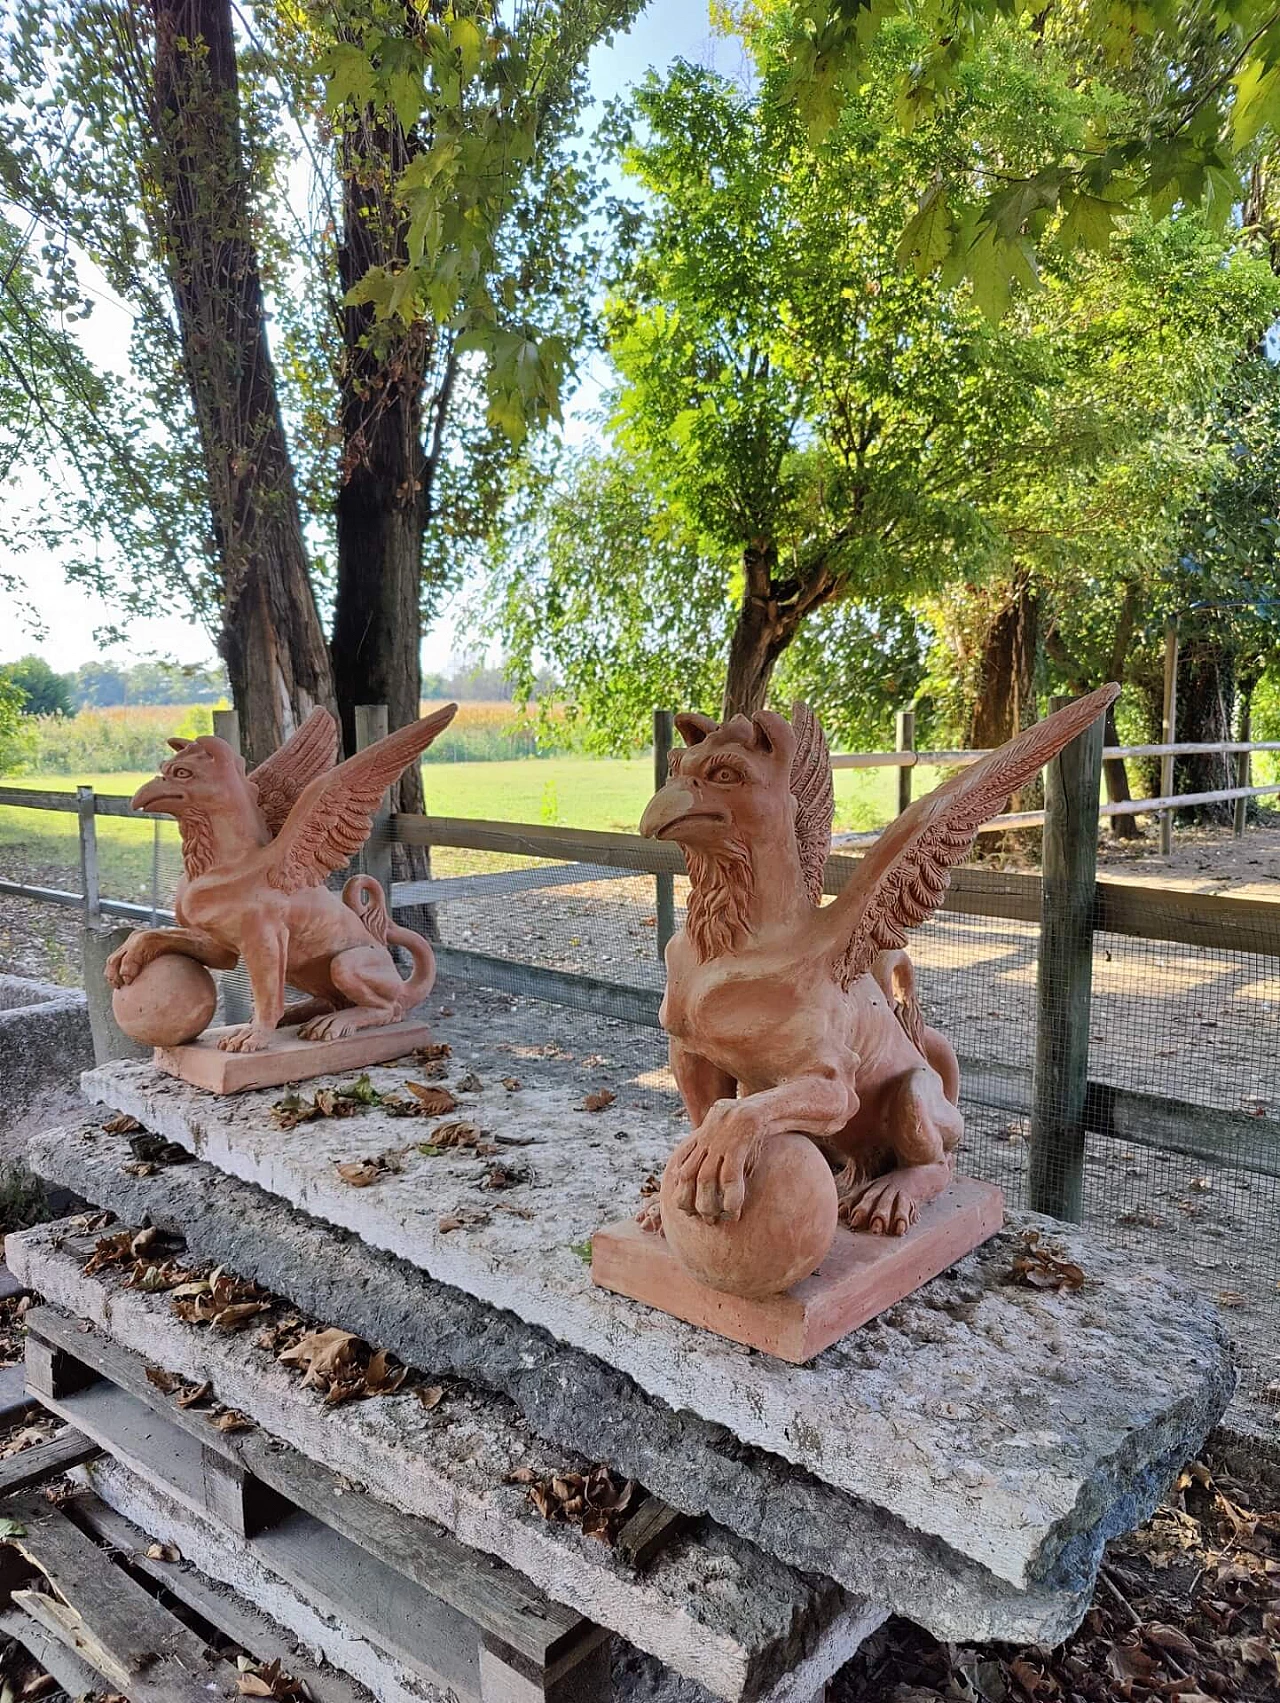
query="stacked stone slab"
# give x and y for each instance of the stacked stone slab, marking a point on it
(961, 1460)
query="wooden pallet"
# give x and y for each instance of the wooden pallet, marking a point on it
(458, 1619)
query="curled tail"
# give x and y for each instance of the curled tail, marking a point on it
(365, 897)
(895, 976)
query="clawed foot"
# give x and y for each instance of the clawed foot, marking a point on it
(713, 1164)
(338, 1024)
(125, 964)
(649, 1216)
(246, 1038)
(884, 1207)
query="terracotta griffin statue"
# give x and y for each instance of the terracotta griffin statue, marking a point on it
(787, 1015)
(257, 849)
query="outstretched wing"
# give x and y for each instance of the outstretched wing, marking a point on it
(334, 816)
(814, 795)
(903, 878)
(282, 778)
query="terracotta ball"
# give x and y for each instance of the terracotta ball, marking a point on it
(169, 1002)
(785, 1232)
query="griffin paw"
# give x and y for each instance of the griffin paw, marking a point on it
(884, 1208)
(333, 1027)
(649, 1216)
(245, 1038)
(125, 965)
(713, 1176)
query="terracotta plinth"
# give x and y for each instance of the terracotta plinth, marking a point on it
(287, 1058)
(861, 1276)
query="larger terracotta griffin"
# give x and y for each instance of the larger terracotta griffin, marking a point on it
(256, 850)
(787, 1015)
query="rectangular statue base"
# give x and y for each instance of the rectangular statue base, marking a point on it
(861, 1276)
(288, 1058)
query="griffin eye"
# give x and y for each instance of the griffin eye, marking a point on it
(725, 773)
(181, 774)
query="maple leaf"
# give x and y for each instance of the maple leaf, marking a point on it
(324, 1354)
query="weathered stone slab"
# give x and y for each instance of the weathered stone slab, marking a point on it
(1014, 1423)
(569, 1397)
(711, 1606)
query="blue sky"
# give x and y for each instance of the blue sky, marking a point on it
(71, 615)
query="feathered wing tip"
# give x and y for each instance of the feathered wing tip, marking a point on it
(903, 878)
(282, 778)
(815, 797)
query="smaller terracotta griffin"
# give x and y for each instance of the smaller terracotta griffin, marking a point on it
(785, 1014)
(256, 850)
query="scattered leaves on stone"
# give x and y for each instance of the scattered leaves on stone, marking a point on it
(597, 1101)
(1041, 1265)
(465, 1218)
(221, 1300)
(470, 1084)
(432, 1052)
(121, 1124)
(257, 1680)
(342, 1367)
(360, 1173)
(344, 1101)
(511, 1084)
(154, 1151)
(432, 1102)
(597, 1502)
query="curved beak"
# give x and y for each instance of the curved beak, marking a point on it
(157, 798)
(670, 808)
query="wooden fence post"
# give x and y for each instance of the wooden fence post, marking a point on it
(1169, 729)
(905, 740)
(226, 725)
(375, 859)
(1244, 770)
(89, 880)
(1064, 976)
(664, 733)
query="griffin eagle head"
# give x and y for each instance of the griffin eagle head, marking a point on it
(202, 776)
(732, 781)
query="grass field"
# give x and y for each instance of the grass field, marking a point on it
(578, 792)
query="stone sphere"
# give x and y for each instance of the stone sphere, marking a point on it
(785, 1232)
(169, 1002)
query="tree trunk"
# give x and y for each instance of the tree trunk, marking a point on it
(769, 617)
(1006, 683)
(384, 495)
(271, 635)
(1206, 699)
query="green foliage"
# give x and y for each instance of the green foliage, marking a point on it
(43, 691)
(850, 454)
(105, 685)
(15, 740)
(487, 103)
(1192, 94)
(109, 741)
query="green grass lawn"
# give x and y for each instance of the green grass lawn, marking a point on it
(575, 792)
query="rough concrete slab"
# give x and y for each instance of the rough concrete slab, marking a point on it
(711, 1606)
(637, 1678)
(569, 1397)
(237, 1566)
(44, 1045)
(1013, 1423)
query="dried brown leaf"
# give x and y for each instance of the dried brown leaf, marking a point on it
(597, 1101)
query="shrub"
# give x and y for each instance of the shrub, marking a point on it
(109, 741)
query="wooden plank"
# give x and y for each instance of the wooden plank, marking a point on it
(263, 1638)
(374, 857)
(1169, 727)
(51, 1372)
(664, 734)
(905, 739)
(502, 883)
(530, 839)
(1136, 1119)
(437, 1641)
(491, 1593)
(650, 1529)
(433, 1639)
(1064, 976)
(71, 1671)
(45, 1460)
(585, 993)
(108, 1619)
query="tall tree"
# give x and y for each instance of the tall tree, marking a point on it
(271, 638)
